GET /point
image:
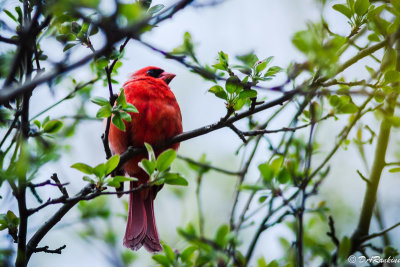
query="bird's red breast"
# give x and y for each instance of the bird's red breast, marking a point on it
(159, 116)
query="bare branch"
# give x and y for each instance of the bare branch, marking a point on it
(46, 249)
(371, 236)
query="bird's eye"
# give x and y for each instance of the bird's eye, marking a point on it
(155, 73)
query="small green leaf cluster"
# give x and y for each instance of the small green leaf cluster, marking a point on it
(71, 32)
(9, 221)
(48, 126)
(201, 250)
(101, 172)
(273, 171)
(342, 104)
(19, 18)
(158, 168)
(356, 11)
(237, 91)
(257, 69)
(321, 49)
(262, 263)
(120, 112)
(186, 48)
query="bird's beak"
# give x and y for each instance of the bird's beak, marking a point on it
(167, 77)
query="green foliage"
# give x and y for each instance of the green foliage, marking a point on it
(200, 250)
(121, 111)
(158, 168)
(9, 221)
(287, 172)
(322, 50)
(101, 172)
(238, 91)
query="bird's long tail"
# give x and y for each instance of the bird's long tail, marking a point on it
(141, 229)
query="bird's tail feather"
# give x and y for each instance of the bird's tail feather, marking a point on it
(141, 227)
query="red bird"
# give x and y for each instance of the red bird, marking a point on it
(159, 119)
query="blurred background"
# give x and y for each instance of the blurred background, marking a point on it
(235, 27)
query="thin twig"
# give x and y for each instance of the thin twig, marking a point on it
(238, 132)
(207, 166)
(371, 236)
(46, 249)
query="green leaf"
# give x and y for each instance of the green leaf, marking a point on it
(220, 235)
(147, 166)
(266, 172)
(272, 71)
(125, 116)
(161, 259)
(130, 108)
(165, 160)
(395, 170)
(233, 85)
(150, 152)
(396, 4)
(388, 60)
(361, 7)
(112, 163)
(100, 170)
(12, 218)
(88, 179)
(303, 40)
(101, 63)
(344, 249)
(218, 91)
(248, 94)
(343, 9)
(219, 66)
(66, 37)
(37, 123)
(392, 76)
(83, 168)
(276, 164)
(283, 176)
(52, 126)
(101, 101)
(243, 69)
(373, 37)
(334, 100)
(261, 66)
(120, 179)
(93, 30)
(118, 122)
(223, 59)
(249, 59)
(121, 101)
(252, 187)
(187, 254)
(169, 253)
(155, 9)
(348, 108)
(104, 111)
(239, 103)
(69, 46)
(132, 12)
(175, 179)
(113, 183)
(10, 15)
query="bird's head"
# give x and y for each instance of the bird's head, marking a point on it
(154, 72)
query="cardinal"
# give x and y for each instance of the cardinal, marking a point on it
(158, 120)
